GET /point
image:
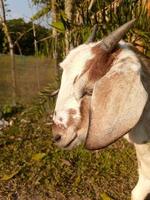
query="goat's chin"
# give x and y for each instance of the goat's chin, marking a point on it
(80, 139)
(81, 135)
(70, 144)
(73, 142)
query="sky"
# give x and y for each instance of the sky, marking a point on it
(20, 8)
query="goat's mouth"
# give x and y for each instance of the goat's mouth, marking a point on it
(70, 143)
(67, 143)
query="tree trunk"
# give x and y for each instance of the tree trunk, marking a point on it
(54, 31)
(54, 16)
(35, 41)
(69, 4)
(55, 36)
(11, 50)
(13, 74)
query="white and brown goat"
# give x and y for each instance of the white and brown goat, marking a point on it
(104, 95)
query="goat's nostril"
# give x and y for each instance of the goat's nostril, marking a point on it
(57, 138)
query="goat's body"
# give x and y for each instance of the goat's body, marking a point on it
(140, 136)
(120, 85)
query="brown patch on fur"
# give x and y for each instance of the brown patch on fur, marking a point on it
(101, 63)
(72, 121)
(72, 111)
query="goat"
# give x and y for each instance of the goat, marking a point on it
(104, 95)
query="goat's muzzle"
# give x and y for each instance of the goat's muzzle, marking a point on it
(63, 137)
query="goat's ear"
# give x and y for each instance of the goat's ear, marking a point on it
(117, 104)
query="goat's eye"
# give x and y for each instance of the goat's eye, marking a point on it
(74, 81)
(79, 93)
(88, 92)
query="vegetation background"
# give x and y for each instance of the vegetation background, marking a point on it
(31, 167)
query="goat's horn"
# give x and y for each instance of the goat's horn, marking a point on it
(109, 42)
(93, 34)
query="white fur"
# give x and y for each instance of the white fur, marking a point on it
(73, 65)
(142, 188)
(133, 62)
(62, 120)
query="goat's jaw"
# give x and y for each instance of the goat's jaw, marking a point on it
(77, 140)
(70, 138)
(68, 142)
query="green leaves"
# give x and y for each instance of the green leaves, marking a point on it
(40, 13)
(59, 26)
(108, 14)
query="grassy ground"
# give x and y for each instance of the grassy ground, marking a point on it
(32, 168)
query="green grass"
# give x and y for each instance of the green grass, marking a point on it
(31, 167)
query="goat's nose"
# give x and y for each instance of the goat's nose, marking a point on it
(57, 138)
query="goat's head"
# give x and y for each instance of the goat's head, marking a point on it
(98, 101)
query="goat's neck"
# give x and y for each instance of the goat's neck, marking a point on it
(141, 132)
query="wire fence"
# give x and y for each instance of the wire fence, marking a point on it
(32, 75)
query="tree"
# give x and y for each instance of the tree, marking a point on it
(23, 37)
(11, 50)
(107, 14)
